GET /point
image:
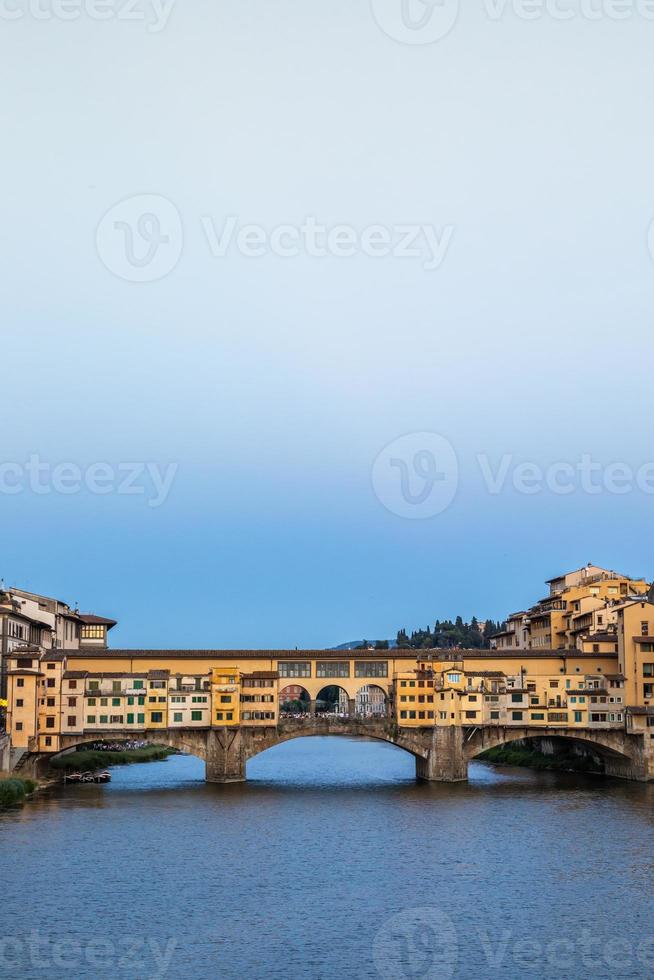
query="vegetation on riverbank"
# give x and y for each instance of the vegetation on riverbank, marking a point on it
(90, 759)
(15, 790)
(532, 759)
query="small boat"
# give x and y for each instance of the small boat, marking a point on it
(102, 777)
(73, 777)
(87, 777)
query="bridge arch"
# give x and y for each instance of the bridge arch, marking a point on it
(613, 749)
(371, 701)
(294, 699)
(332, 699)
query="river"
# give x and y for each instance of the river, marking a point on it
(331, 861)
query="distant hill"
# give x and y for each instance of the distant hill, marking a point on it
(445, 635)
(353, 644)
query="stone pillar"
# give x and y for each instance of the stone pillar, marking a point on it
(446, 761)
(312, 708)
(225, 756)
(351, 708)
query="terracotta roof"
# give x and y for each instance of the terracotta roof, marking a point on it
(90, 620)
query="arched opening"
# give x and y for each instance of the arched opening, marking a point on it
(556, 752)
(332, 702)
(370, 701)
(332, 761)
(294, 701)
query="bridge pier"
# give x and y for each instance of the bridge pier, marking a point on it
(445, 761)
(225, 760)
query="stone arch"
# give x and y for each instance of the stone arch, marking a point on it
(337, 728)
(294, 699)
(618, 756)
(371, 701)
(332, 699)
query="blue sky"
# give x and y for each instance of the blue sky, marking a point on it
(268, 386)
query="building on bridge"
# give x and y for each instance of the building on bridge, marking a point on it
(439, 704)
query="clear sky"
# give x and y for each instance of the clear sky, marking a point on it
(278, 382)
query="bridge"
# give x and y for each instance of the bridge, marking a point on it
(226, 707)
(441, 754)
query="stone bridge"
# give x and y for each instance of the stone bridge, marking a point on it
(441, 753)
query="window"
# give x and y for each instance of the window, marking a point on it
(115, 686)
(49, 722)
(94, 685)
(494, 715)
(333, 668)
(177, 716)
(104, 702)
(130, 718)
(72, 685)
(229, 716)
(140, 718)
(516, 698)
(644, 628)
(130, 700)
(104, 719)
(51, 682)
(648, 670)
(225, 699)
(219, 716)
(157, 684)
(116, 719)
(156, 717)
(471, 714)
(294, 669)
(19, 726)
(92, 702)
(90, 720)
(516, 715)
(48, 740)
(72, 720)
(50, 702)
(93, 632)
(454, 678)
(579, 716)
(370, 668)
(537, 716)
(138, 685)
(198, 700)
(115, 702)
(72, 702)
(196, 716)
(20, 682)
(19, 702)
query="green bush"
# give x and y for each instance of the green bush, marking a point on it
(15, 790)
(532, 759)
(91, 759)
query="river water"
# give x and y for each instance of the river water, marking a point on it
(330, 862)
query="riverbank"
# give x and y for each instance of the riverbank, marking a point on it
(15, 790)
(90, 759)
(531, 758)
